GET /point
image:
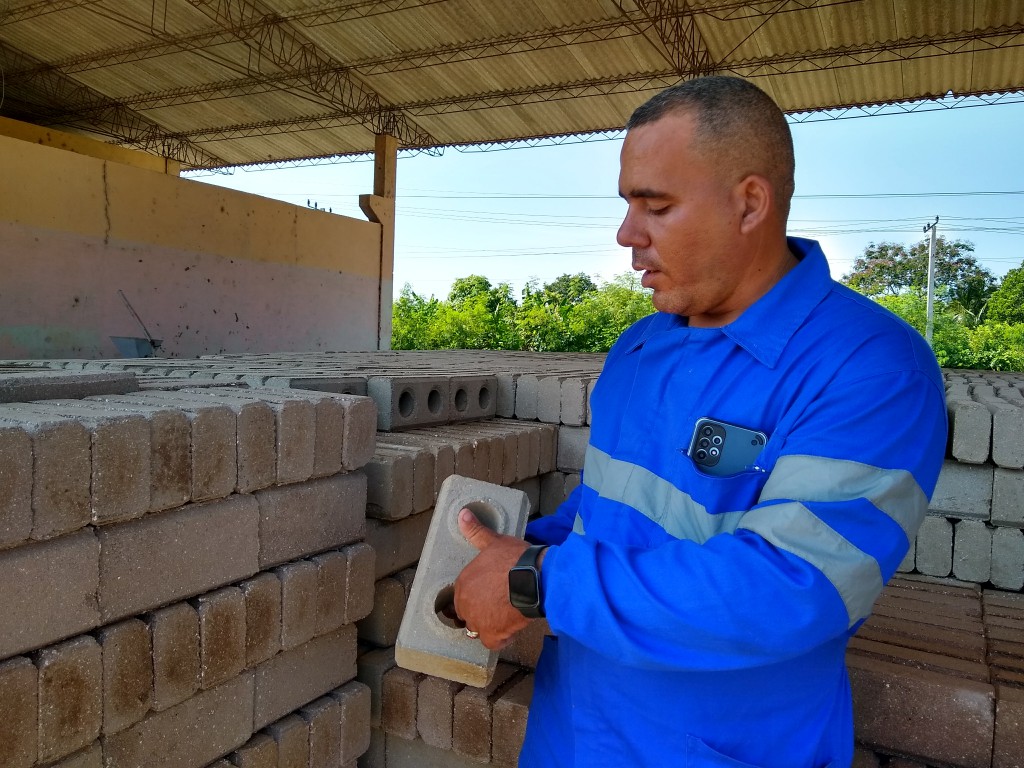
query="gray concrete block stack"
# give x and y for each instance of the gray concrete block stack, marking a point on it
(294, 610)
(183, 573)
(975, 528)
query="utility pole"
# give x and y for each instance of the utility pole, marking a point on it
(930, 312)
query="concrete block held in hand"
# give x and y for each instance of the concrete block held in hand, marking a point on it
(429, 641)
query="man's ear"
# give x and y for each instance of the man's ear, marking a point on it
(755, 200)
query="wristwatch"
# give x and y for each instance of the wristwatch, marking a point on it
(524, 584)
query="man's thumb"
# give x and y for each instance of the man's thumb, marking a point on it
(476, 533)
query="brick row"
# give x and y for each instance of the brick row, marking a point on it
(128, 671)
(969, 550)
(407, 469)
(70, 463)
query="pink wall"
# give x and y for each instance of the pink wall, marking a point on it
(208, 270)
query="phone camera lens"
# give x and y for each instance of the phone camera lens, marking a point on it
(701, 455)
(707, 431)
(717, 439)
(714, 452)
(704, 442)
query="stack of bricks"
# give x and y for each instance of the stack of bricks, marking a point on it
(183, 573)
(947, 630)
(973, 531)
(938, 677)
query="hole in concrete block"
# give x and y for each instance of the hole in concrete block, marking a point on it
(434, 401)
(444, 607)
(406, 403)
(461, 400)
(485, 398)
(486, 513)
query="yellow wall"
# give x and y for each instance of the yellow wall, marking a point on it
(207, 269)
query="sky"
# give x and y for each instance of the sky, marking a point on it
(534, 213)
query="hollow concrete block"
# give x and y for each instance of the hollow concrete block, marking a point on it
(472, 397)
(409, 401)
(428, 641)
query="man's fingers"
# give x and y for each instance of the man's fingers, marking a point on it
(476, 533)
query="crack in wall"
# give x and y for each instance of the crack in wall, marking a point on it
(106, 207)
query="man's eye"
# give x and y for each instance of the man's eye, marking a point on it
(658, 211)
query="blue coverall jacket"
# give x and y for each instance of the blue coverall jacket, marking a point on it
(702, 621)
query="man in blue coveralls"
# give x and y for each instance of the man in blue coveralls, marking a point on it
(698, 617)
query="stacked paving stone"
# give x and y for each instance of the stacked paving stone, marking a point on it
(974, 528)
(937, 672)
(183, 573)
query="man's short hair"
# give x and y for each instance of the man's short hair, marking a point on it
(736, 121)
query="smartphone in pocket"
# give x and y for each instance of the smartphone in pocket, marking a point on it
(719, 448)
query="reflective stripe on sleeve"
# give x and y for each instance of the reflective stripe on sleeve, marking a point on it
(654, 497)
(792, 527)
(814, 478)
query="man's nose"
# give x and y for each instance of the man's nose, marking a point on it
(630, 234)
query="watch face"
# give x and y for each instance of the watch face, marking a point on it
(522, 587)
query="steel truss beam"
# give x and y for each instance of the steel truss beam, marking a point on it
(38, 8)
(268, 37)
(896, 51)
(117, 122)
(236, 20)
(880, 53)
(616, 28)
(633, 22)
(677, 30)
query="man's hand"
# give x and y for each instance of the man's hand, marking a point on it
(481, 591)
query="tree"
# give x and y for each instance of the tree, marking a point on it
(465, 288)
(412, 317)
(891, 269)
(569, 290)
(1007, 303)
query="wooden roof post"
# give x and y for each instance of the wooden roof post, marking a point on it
(380, 208)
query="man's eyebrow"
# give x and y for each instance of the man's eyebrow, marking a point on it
(641, 193)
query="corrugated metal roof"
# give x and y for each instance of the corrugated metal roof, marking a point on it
(232, 82)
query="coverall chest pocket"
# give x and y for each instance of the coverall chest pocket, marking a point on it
(700, 755)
